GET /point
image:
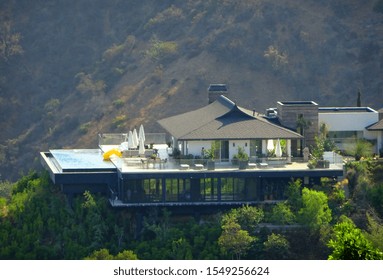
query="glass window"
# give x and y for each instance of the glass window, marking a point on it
(345, 134)
(227, 188)
(152, 190)
(209, 188)
(184, 190)
(239, 189)
(217, 151)
(255, 147)
(135, 191)
(172, 190)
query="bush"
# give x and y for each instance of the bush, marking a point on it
(118, 121)
(85, 127)
(118, 103)
(52, 105)
(170, 14)
(88, 85)
(278, 59)
(159, 49)
(361, 149)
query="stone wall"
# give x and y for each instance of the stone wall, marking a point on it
(290, 112)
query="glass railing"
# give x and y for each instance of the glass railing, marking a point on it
(149, 163)
(117, 139)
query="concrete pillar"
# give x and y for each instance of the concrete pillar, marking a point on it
(264, 147)
(288, 146)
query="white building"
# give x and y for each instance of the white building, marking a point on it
(348, 124)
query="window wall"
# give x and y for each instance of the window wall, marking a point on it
(152, 189)
(233, 189)
(209, 189)
(177, 190)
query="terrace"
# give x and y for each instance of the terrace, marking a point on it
(140, 180)
(157, 178)
(159, 158)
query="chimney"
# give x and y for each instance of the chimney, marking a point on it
(216, 90)
(380, 111)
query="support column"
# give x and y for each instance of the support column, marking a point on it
(219, 188)
(264, 147)
(163, 190)
(288, 146)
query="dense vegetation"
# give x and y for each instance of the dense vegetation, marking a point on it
(336, 220)
(71, 69)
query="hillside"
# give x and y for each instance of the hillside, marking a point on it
(71, 69)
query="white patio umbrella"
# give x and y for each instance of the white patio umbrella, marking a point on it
(278, 149)
(135, 138)
(130, 140)
(141, 133)
(270, 145)
(141, 148)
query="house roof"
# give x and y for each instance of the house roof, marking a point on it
(376, 126)
(223, 119)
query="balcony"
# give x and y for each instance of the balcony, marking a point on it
(158, 157)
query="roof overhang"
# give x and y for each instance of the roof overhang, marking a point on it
(223, 119)
(378, 126)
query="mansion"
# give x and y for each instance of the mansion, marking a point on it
(219, 155)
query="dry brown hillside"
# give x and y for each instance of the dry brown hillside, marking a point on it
(71, 69)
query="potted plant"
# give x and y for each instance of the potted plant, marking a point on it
(209, 154)
(234, 160)
(243, 158)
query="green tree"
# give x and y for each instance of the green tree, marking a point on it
(234, 240)
(281, 214)
(315, 211)
(3, 207)
(181, 250)
(248, 217)
(294, 195)
(126, 255)
(375, 231)
(101, 254)
(104, 254)
(375, 198)
(277, 247)
(349, 243)
(5, 189)
(376, 170)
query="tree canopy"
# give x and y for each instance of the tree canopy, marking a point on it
(349, 243)
(315, 211)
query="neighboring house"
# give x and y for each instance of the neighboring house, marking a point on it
(346, 125)
(377, 129)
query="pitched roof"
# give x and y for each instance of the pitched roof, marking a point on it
(376, 126)
(223, 119)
